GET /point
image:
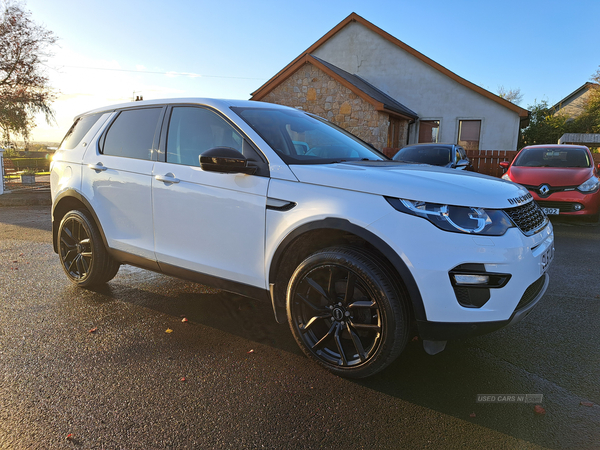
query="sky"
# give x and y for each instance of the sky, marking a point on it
(111, 51)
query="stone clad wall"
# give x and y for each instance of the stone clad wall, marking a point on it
(312, 90)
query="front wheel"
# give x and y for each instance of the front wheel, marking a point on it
(82, 253)
(345, 313)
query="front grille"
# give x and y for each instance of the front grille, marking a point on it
(531, 293)
(562, 206)
(552, 189)
(529, 217)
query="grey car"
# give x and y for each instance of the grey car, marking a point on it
(445, 155)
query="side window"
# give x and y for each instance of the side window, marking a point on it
(131, 135)
(194, 130)
(78, 130)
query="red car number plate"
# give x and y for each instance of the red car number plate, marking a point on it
(551, 211)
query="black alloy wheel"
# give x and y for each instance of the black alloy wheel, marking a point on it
(345, 313)
(82, 253)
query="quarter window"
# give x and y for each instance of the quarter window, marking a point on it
(132, 134)
(78, 130)
(468, 134)
(195, 130)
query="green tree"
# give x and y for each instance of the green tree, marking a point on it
(24, 86)
(544, 126)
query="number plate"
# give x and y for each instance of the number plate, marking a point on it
(551, 211)
(546, 258)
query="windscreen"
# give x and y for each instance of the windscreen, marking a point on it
(300, 138)
(553, 157)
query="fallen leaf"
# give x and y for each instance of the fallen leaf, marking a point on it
(472, 415)
(415, 339)
(182, 379)
(588, 404)
(539, 410)
(184, 320)
(251, 351)
(70, 437)
(168, 330)
(93, 330)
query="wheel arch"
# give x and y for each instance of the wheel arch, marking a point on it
(66, 201)
(317, 235)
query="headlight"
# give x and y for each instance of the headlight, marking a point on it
(488, 222)
(590, 185)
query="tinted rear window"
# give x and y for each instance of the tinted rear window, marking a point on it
(131, 135)
(434, 155)
(78, 130)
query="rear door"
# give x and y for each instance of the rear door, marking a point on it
(205, 222)
(117, 180)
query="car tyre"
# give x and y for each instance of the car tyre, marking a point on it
(82, 252)
(346, 313)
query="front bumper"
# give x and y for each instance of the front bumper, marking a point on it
(443, 331)
(567, 202)
(431, 254)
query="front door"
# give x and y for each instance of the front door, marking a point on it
(206, 222)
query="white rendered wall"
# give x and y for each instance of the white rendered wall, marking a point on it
(420, 87)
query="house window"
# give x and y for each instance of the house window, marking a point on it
(429, 131)
(468, 134)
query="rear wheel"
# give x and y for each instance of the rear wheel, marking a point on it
(345, 313)
(82, 253)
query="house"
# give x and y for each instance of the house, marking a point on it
(574, 103)
(390, 95)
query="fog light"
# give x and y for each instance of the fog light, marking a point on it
(577, 207)
(471, 279)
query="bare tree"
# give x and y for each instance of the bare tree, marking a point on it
(512, 95)
(24, 86)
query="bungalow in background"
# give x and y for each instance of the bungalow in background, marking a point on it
(390, 95)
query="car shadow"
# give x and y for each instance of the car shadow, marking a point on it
(448, 382)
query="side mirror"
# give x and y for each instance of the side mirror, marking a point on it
(461, 163)
(504, 164)
(225, 160)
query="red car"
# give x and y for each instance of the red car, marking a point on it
(563, 179)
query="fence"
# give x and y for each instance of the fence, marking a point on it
(23, 163)
(488, 161)
(12, 178)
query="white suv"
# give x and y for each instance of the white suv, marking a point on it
(352, 249)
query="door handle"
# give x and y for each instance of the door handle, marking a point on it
(98, 167)
(167, 178)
